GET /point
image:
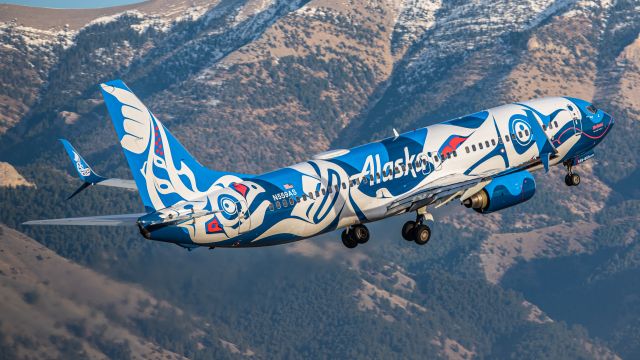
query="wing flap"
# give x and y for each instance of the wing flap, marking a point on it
(445, 189)
(104, 220)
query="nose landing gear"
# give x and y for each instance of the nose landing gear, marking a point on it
(354, 235)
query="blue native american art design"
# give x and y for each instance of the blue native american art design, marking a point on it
(483, 158)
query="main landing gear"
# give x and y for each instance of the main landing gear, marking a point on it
(571, 179)
(416, 230)
(354, 235)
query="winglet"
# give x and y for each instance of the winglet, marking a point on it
(85, 172)
(545, 161)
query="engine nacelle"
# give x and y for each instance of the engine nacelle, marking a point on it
(503, 192)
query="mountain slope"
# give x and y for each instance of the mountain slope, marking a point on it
(53, 308)
(252, 85)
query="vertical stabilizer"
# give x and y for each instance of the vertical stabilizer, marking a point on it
(164, 171)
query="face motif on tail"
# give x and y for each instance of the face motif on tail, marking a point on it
(164, 171)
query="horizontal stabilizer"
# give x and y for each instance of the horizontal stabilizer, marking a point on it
(104, 220)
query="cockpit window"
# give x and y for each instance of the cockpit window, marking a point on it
(592, 109)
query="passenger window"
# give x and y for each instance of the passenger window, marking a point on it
(493, 142)
(271, 206)
(499, 140)
(329, 191)
(318, 193)
(555, 123)
(480, 146)
(278, 206)
(544, 127)
(466, 148)
(337, 187)
(365, 180)
(526, 132)
(506, 138)
(513, 136)
(310, 195)
(424, 161)
(324, 192)
(304, 197)
(357, 180)
(371, 177)
(403, 167)
(378, 176)
(473, 147)
(298, 199)
(520, 134)
(455, 153)
(409, 166)
(284, 203)
(291, 201)
(435, 158)
(487, 143)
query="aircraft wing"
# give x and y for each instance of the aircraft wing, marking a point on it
(119, 183)
(90, 177)
(439, 193)
(104, 220)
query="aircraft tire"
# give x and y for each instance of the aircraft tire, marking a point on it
(348, 240)
(360, 233)
(575, 179)
(407, 230)
(422, 234)
(567, 180)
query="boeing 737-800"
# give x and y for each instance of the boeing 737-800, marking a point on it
(483, 160)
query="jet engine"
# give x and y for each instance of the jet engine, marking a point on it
(503, 192)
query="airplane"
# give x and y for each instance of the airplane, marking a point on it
(484, 160)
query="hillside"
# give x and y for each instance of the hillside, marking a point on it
(250, 85)
(55, 308)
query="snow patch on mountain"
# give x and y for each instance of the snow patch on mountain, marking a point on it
(414, 18)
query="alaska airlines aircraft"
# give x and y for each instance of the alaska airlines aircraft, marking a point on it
(484, 160)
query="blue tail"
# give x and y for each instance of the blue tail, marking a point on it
(164, 171)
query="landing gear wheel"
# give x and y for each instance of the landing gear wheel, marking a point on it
(572, 179)
(407, 230)
(575, 179)
(421, 234)
(360, 233)
(567, 179)
(348, 240)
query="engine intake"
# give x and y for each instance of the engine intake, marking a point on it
(503, 192)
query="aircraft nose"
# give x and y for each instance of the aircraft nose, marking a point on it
(608, 120)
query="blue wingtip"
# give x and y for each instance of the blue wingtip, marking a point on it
(545, 161)
(83, 169)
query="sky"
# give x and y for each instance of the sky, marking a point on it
(70, 4)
